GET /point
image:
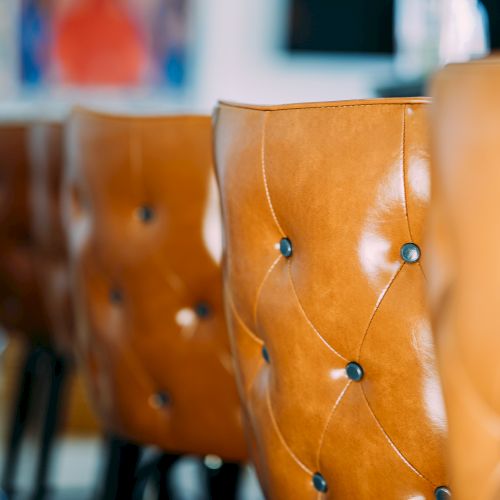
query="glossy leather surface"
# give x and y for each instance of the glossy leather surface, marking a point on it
(143, 226)
(45, 152)
(21, 309)
(464, 278)
(348, 184)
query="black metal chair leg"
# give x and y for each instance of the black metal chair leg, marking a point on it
(223, 482)
(19, 419)
(59, 368)
(121, 470)
(165, 465)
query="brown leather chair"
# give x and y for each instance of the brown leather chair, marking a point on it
(141, 215)
(45, 148)
(324, 207)
(464, 271)
(22, 310)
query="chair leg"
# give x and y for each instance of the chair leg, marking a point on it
(19, 419)
(223, 482)
(59, 369)
(121, 470)
(164, 469)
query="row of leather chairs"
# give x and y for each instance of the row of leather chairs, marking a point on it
(111, 254)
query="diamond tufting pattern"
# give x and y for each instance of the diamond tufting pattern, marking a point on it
(141, 207)
(347, 185)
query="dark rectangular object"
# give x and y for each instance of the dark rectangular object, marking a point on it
(352, 26)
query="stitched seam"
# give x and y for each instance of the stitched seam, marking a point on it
(280, 436)
(330, 106)
(261, 286)
(242, 323)
(328, 421)
(403, 168)
(307, 318)
(264, 175)
(377, 307)
(422, 270)
(405, 184)
(391, 443)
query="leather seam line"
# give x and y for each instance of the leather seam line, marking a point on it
(328, 422)
(391, 442)
(280, 435)
(377, 307)
(261, 286)
(301, 307)
(403, 168)
(249, 332)
(264, 175)
(331, 106)
(405, 184)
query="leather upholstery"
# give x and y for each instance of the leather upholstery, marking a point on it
(20, 299)
(348, 185)
(464, 277)
(45, 151)
(143, 227)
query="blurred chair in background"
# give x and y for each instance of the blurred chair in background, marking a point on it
(22, 312)
(45, 149)
(464, 275)
(324, 207)
(143, 227)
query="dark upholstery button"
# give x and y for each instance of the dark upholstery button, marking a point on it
(159, 400)
(286, 247)
(354, 371)
(410, 253)
(115, 296)
(146, 213)
(442, 493)
(202, 310)
(320, 483)
(265, 354)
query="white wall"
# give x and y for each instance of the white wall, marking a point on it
(237, 57)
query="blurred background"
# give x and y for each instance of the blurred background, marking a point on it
(156, 56)
(188, 53)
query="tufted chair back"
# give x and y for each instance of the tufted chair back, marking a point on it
(324, 283)
(143, 225)
(464, 277)
(45, 151)
(20, 300)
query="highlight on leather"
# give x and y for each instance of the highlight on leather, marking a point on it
(464, 277)
(44, 145)
(21, 309)
(324, 207)
(143, 228)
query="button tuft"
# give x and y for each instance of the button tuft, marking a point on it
(354, 371)
(265, 354)
(442, 493)
(202, 310)
(320, 483)
(159, 400)
(286, 247)
(115, 296)
(146, 213)
(410, 253)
